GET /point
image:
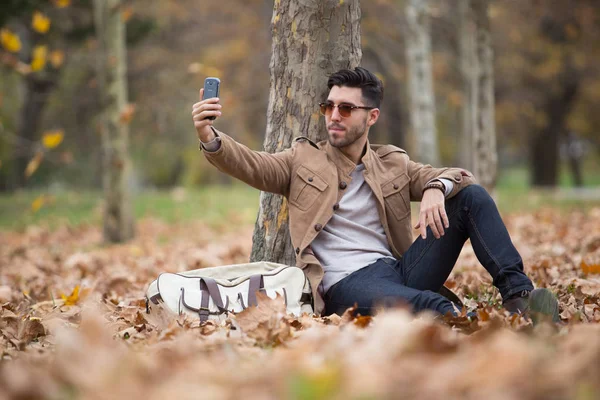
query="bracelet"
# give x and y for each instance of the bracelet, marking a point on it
(435, 185)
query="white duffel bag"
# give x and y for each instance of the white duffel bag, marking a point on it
(210, 293)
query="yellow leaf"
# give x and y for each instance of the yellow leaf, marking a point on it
(73, 298)
(57, 58)
(62, 3)
(33, 164)
(40, 22)
(10, 41)
(52, 139)
(40, 54)
(38, 203)
(591, 268)
(126, 14)
(127, 113)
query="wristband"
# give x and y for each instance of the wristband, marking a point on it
(435, 185)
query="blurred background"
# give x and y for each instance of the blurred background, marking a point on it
(547, 91)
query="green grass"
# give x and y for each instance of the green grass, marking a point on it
(513, 192)
(215, 205)
(229, 206)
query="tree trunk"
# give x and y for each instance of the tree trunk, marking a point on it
(561, 97)
(420, 81)
(479, 141)
(311, 40)
(110, 29)
(485, 154)
(545, 145)
(468, 70)
(575, 153)
(390, 125)
(37, 91)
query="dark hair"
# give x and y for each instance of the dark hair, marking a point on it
(371, 86)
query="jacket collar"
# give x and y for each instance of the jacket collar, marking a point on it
(343, 163)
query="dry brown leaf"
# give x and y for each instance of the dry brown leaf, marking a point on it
(265, 322)
(394, 355)
(592, 268)
(362, 321)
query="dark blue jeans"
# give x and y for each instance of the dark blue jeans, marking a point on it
(420, 273)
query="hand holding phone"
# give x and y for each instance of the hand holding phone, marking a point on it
(207, 109)
(211, 89)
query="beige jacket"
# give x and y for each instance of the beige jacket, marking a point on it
(313, 178)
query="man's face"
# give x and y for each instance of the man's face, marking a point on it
(344, 131)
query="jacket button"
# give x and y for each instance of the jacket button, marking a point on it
(336, 206)
(310, 179)
(343, 185)
(318, 227)
(395, 186)
(297, 250)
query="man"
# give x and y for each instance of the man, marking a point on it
(349, 210)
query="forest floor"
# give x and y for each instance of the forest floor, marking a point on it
(73, 323)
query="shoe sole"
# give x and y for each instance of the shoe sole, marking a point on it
(543, 306)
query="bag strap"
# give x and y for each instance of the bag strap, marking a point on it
(210, 289)
(257, 282)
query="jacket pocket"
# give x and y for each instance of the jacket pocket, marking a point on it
(396, 196)
(306, 188)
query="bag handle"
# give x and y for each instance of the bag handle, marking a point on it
(210, 289)
(257, 282)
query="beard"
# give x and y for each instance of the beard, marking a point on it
(353, 133)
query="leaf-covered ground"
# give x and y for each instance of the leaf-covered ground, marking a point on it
(73, 326)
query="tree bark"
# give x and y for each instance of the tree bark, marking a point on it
(37, 92)
(545, 145)
(110, 28)
(311, 40)
(390, 127)
(561, 97)
(420, 81)
(477, 59)
(467, 68)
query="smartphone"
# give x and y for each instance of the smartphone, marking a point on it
(211, 89)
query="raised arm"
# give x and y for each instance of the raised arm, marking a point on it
(261, 170)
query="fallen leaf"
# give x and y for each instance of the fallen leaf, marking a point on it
(265, 322)
(591, 268)
(73, 298)
(362, 321)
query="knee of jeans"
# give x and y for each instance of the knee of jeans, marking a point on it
(475, 193)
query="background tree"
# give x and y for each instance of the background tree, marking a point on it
(477, 66)
(115, 115)
(310, 41)
(39, 31)
(417, 42)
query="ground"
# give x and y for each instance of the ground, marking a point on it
(73, 323)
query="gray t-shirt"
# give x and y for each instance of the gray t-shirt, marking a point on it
(354, 237)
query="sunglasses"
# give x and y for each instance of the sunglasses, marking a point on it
(345, 110)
